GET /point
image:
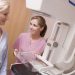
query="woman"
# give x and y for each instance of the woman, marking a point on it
(31, 43)
(4, 9)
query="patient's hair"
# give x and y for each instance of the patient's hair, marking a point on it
(42, 23)
(4, 5)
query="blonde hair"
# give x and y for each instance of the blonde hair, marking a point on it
(4, 4)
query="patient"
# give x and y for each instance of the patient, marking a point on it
(4, 9)
(30, 43)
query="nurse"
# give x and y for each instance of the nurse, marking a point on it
(30, 43)
(4, 9)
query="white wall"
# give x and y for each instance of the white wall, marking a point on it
(60, 9)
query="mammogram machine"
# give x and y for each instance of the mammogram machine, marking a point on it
(58, 57)
(59, 54)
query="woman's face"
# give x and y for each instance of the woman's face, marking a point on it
(3, 17)
(34, 27)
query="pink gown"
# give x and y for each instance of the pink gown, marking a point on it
(27, 49)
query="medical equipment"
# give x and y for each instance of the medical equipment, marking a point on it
(62, 54)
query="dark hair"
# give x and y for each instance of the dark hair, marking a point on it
(42, 23)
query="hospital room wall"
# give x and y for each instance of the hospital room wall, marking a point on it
(17, 23)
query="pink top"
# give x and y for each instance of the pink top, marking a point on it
(28, 49)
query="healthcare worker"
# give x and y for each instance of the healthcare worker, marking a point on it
(4, 9)
(29, 44)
